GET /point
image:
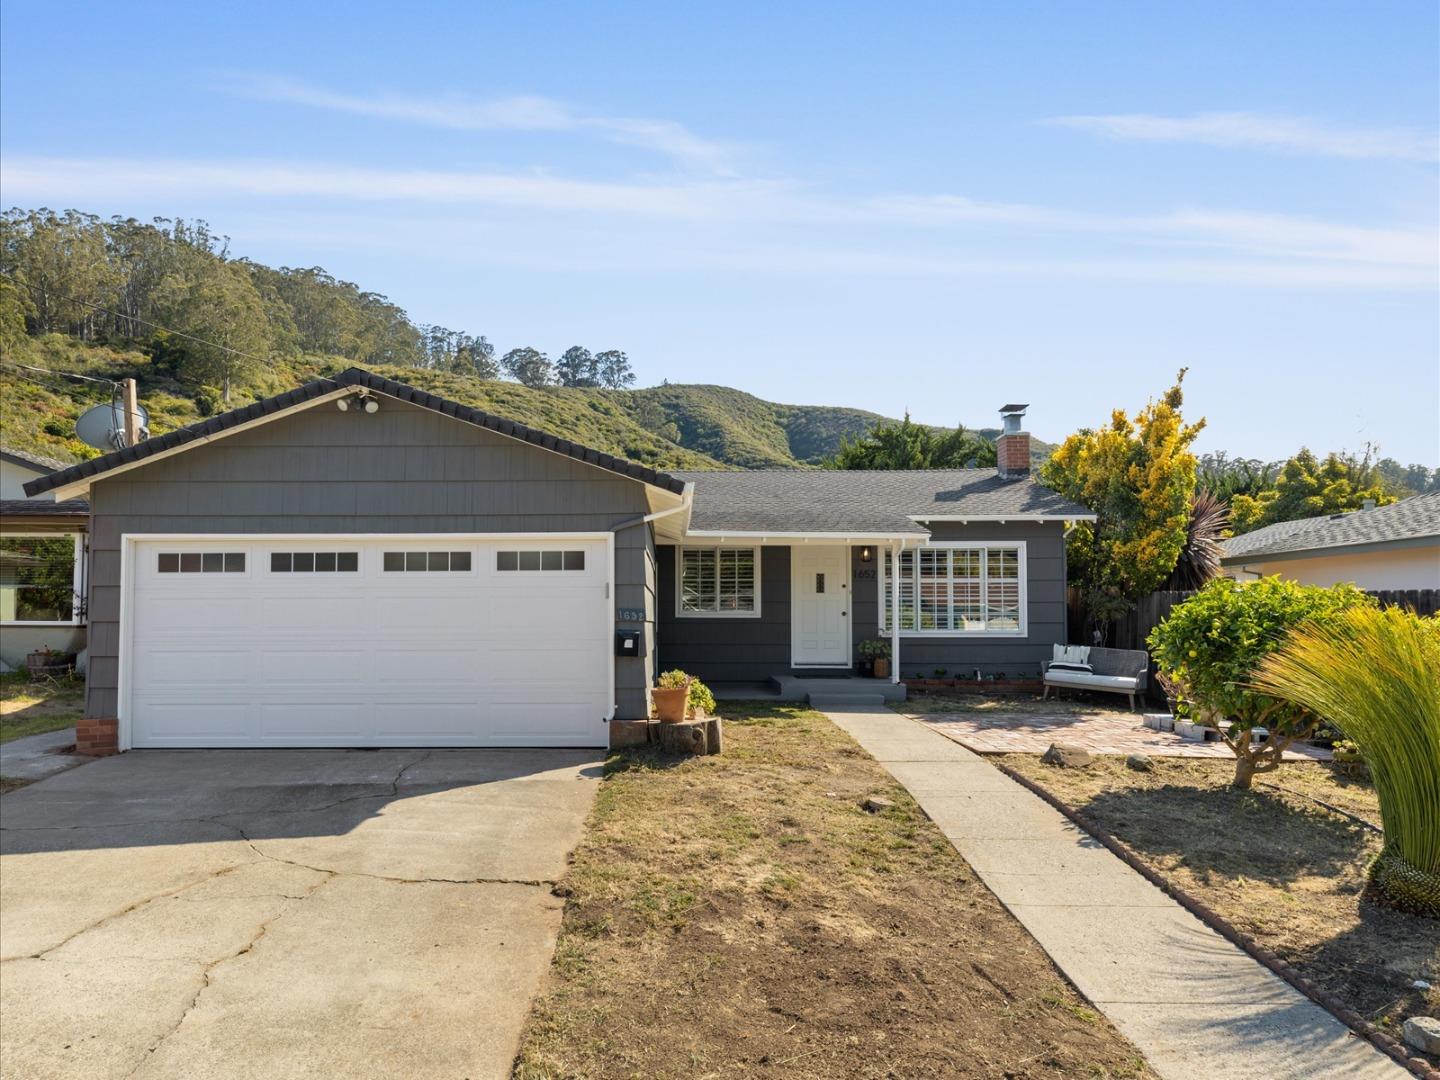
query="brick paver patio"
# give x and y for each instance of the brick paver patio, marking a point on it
(1098, 732)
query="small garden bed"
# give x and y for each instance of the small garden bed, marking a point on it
(743, 915)
(1274, 862)
(974, 686)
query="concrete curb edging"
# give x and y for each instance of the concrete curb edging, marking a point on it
(1361, 1027)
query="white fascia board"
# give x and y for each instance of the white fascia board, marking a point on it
(81, 487)
(758, 536)
(1002, 519)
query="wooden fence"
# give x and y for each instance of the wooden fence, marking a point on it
(1132, 631)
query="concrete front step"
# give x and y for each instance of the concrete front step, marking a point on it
(842, 689)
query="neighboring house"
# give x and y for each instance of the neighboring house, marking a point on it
(42, 564)
(360, 563)
(1394, 547)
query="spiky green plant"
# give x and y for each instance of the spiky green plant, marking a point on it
(1376, 676)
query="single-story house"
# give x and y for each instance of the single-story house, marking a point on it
(42, 564)
(1394, 547)
(360, 563)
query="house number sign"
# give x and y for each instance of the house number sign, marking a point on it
(630, 614)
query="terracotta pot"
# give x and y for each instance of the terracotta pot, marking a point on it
(670, 705)
(882, 667)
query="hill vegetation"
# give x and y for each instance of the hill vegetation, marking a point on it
(200, 330)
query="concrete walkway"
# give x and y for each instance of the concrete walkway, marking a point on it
(35, 757)
(1194, 1004)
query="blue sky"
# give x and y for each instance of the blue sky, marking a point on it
(939, 208)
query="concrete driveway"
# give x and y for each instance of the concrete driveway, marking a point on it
(283, 913)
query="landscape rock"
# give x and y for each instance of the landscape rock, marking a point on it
(1423, 1033)
(1068, 757)
(874, 804)
(1140, 762)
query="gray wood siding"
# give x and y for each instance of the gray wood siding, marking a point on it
(401, 470)
(748, 650)
(1045, 608)
(728, 650)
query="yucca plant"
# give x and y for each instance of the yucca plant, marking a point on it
(1375, 675)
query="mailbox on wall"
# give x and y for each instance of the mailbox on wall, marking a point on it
(629, 643)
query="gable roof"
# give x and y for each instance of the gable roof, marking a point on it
(26, 459)
(204, 430)
(861, 503)
(1409, 520)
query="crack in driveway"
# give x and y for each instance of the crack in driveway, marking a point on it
(207, 969)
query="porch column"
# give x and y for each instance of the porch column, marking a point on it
(895, 550)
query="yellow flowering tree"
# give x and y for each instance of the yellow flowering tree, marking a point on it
(1138, 476)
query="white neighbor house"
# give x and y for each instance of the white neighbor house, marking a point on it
(1394, 547)
(42, 542)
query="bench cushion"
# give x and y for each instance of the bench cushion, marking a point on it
(1091, 682)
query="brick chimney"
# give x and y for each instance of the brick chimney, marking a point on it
(1012, 448)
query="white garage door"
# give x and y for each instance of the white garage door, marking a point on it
(373, 642)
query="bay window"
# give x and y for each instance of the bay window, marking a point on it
(723, 582)
(951, 589)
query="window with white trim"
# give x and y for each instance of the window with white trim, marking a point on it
(957, 589)
(40, 579)
(723, 582)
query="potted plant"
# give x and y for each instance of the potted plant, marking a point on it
(877, 651)
(678, 695)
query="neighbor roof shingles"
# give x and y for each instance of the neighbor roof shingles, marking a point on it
(319, 388)
(861, 502)
(1410, 519)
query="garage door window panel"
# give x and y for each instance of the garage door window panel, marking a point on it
(425, 562)
(200, 562)
(538, 561)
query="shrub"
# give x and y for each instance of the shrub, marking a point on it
(1211, 646)
(874, 649)
(1376, 676)
(700, 698)
(208, 400)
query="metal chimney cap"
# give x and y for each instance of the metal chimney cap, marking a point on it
(1013, 410)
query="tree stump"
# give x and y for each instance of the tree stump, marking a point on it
(699, 736)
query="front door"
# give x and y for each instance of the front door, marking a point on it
(819, 605)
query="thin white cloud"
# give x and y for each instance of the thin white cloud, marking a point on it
(1289, 134)
(518, 113)
(784, 226)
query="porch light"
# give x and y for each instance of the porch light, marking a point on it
(866, 554)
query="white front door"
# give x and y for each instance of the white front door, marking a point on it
(369, 641)
(819, 605)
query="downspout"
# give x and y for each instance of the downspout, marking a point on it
(687, 499)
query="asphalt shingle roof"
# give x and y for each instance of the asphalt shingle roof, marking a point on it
(319, 388)
(861, 502)
(1409, 519)
(25, 457)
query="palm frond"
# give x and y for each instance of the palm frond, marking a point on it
(1200, 558)
(1375, 675)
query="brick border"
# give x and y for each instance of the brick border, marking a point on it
(1357, 1024)
(97, 737)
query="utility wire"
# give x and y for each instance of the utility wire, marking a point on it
(65, 374)
(137, 319)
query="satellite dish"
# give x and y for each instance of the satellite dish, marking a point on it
(103, 426)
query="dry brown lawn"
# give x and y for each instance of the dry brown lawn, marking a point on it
(742, 915)
(1274, 863)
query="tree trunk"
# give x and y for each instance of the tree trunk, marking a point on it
(1244, 772)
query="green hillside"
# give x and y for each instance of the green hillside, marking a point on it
(668, 427)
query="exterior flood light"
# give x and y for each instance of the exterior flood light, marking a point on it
(343, 404)
(371, 405)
